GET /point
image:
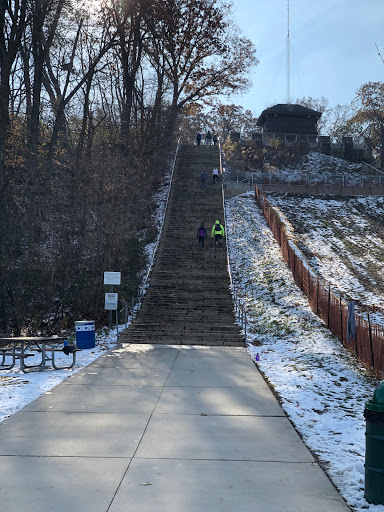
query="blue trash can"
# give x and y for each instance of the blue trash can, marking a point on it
(85, 334)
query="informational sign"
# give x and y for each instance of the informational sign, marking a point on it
(111, 301)
(112, 278)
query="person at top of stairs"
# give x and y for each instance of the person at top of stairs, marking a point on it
(208, 138)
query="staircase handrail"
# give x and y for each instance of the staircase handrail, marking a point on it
(240, 311)
(142, 287)
(141, 291)
(372, 166)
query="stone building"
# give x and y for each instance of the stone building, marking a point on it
(291, 123)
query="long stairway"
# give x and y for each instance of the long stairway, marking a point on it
(188, 301)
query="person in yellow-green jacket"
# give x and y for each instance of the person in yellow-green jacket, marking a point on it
(218, 233)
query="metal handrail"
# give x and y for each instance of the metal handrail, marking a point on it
(310, 179)
(136, 301)
(373, 167)
(145, 280)
(240, 311)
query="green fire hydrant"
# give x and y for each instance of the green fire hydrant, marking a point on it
(374, 447)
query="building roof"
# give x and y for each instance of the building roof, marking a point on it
(287, 109)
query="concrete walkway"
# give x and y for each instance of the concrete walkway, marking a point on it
(150, 428)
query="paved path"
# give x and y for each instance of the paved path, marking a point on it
(149, 428)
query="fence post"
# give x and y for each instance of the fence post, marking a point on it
(317, 296)
(370, 343)
(245, 324)
(341, 320)
(294, 265)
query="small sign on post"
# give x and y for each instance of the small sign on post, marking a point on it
(111, 301)
(112, 278)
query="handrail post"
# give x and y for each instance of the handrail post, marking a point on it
(245, 324)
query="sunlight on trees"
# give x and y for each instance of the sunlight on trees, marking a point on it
(91, 93)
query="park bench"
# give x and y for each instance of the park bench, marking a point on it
(10, 352)
(20, 348)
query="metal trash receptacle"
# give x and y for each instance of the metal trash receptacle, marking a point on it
(374, 448)
(85, 334)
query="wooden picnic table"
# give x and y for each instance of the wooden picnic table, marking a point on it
(20, 348)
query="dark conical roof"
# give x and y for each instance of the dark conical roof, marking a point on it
(287, 109)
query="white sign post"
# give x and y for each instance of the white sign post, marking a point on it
(111, 299)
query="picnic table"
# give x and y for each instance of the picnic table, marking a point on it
(20, 348)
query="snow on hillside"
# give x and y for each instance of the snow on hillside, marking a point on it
(324, 164)
(321, 388)
(317, 165)
(343, 241)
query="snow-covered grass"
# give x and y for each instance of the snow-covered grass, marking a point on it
(343, 241)
(321, 388)
(317, 165)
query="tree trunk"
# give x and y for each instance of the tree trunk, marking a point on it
(4, 123)
(38, 64)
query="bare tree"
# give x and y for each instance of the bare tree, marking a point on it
(45, 17)
(13, 19)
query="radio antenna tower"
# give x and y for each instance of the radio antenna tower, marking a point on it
(378, 51)
(288, 64)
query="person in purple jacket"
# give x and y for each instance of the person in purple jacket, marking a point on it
(202, 235)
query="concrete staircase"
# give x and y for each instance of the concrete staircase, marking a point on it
(188, 301)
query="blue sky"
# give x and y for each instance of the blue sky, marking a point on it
(333, 48)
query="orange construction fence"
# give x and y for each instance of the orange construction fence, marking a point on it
(368, 345)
